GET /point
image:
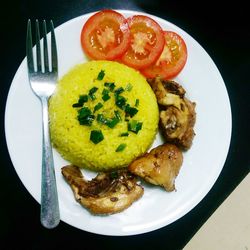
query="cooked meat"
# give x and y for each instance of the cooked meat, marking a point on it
(160, 166)
(177, 115)
(107, 193)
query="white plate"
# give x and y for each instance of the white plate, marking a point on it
(157, 208)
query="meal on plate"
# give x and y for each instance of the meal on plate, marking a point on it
(105, 113)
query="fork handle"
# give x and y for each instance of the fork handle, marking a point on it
(50, 216)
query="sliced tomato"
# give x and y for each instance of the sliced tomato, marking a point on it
(105, 35)
(146, 44)
(171, 61)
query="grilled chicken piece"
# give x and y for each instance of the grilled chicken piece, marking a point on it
(107, 193)
(177, 115)
(160, 166)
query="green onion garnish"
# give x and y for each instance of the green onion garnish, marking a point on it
(98, 106)
(82, 99)
(137, 102)
(92, 92)
(119, 91)
(105, 95)
(112, 122)
(85, 116)
(110, 85)
(130, 110)
(118, 115)
(120, 101)
(124, 134)
(87, 120)
(134, 126)
(96, 136)
(121, 147)
(129, 87)
(101, 119)
(83, 112)
(77, 105)
(101, 75)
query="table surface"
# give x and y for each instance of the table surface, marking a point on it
(225, 35)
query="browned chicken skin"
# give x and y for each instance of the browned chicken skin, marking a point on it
(107, 193)
(177, 115)
(160, 166)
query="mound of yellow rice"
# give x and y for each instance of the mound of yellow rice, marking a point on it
(119, 145)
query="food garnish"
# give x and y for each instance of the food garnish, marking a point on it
(86, 115)
(121, 147)
(145, 46)
(134, 126)
(101, 75)
(107, 193)
(172, 59)
(92, 93)
(105, 95)
(146, 43)
(105, 35)
(98, 106)
(96, 136)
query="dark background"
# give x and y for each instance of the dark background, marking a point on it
(224, 33)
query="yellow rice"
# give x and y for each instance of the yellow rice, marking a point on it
(72, 140)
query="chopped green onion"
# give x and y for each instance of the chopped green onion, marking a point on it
(119, 91)
(130, 110)
(117, 115)
(129, 87)
(77, 105)
(110, 85)
(82, 99)
(124, 134)
(105, 95)
(98, 106)
(137, 102)
(121, 147)
(134, 126)
(91, 93)
(105, 92)
(101, 119)
(87, 120)
(101, 75)
(93, 90)
(83, 112)
(120, 101)
(85, 116)
(112, 122)
(96, 136)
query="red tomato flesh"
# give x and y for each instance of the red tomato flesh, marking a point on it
(105, 35)
(146, 43)
(171, 61)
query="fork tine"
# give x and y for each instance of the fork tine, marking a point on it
(29, 52)
(38, 49)
(45, 48)
(53, 49)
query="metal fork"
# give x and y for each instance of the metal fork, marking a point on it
(43, 83)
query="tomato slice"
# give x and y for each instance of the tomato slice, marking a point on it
(146, 44)
(105, 35)
(171, 61)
